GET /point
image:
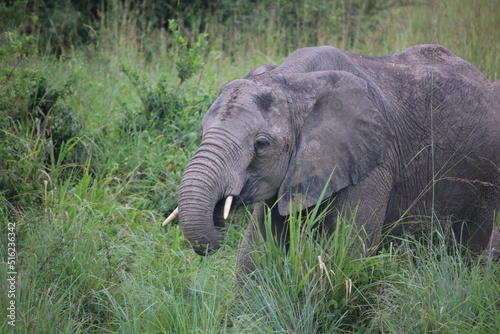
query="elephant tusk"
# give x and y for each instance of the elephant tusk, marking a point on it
(172, 216)
(227, 206)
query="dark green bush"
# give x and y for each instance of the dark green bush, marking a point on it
(61, 25)
(58, 25)
(35, 123)
(58, 121)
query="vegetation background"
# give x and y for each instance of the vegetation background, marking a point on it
(100, 109)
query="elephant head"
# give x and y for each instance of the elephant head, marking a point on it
(275, 135)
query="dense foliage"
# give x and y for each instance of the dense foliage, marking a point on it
(100, 109)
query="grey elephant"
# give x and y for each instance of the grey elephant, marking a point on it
(412, 134)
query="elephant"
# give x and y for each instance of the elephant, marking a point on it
(406, 135)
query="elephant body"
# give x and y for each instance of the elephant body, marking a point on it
(402, 137)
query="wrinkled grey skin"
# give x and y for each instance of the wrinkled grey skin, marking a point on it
(403, 134)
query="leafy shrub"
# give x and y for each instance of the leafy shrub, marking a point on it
(188, 59)
(16, 162)
(163, 110)
(35, 123)
(57, 119)
(164, 106)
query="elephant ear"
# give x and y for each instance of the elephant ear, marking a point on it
(343, 138)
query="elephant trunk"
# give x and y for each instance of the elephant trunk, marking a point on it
(203, 190)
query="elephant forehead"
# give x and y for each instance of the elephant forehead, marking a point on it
(241, 100)
(232, 116)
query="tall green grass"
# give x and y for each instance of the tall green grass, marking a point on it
(82, 272)
(91, 254)
(435, 290)
(318, 283)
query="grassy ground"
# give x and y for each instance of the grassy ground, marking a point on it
(93, 146)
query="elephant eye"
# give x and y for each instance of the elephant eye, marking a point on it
(260, 144)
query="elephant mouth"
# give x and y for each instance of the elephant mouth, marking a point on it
(207, 242)
(218, 216)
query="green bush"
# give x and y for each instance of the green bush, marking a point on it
(162, 105)
(35, 123)
(19, 156)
